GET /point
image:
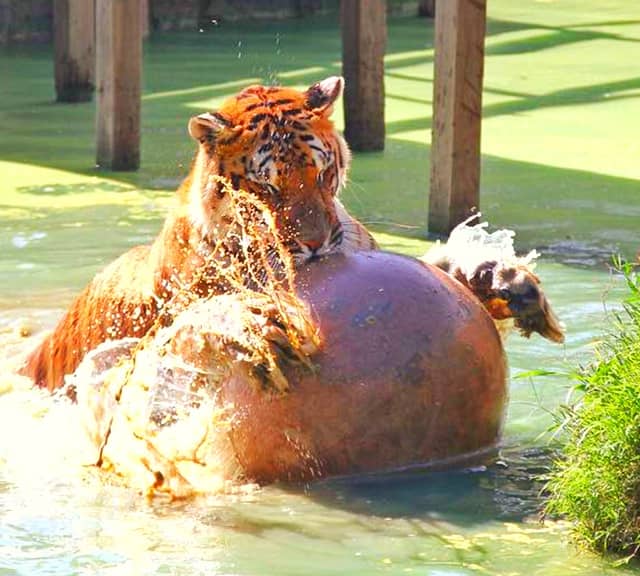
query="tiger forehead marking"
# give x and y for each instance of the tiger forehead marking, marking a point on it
(279, 144)
(280, 132)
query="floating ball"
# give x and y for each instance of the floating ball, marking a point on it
(411, 372)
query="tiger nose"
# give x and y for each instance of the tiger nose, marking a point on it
(313, 244)
(310, 226)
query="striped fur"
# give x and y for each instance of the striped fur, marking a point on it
(277, 143)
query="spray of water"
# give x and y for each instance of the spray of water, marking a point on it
(150, 411)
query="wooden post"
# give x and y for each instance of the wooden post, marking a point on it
(457, 112)
(6, 21)
(74, 40)
(364, 36)
(144, 17)
(427, 8)
(118, 72)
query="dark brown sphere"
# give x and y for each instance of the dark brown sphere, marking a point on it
(412, 371)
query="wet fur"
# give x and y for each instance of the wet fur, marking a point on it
(512, 295)
(276, 143)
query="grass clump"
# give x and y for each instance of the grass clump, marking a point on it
(596, 483)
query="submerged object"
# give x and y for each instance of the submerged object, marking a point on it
(406, 369)
(411, 371)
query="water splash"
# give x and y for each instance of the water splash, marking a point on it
(42, 440)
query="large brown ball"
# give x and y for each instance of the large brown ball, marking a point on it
(412, 371)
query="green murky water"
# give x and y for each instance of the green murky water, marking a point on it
(475, 521)
(560, 166)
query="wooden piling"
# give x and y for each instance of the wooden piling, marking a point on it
(145, 16)
(364, 34)
(74, 49)
(455, 150)
(118, 73)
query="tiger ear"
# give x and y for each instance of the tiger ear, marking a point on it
(322, 95)
(205, 127)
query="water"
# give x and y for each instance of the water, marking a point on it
(58, 517)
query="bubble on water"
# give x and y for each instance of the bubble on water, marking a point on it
(239, 49)
(22, 241)
(19, 241)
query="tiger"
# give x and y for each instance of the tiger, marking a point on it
(512, 295)
(487, 265)
(276, 143)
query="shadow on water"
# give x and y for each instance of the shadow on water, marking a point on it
(505, 489)
(578, 216)
(588, 94)
(554, 37)
(55, 189)
(297, 52)
(574, 216)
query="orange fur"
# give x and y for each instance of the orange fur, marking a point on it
(276, 143)
(512, 293)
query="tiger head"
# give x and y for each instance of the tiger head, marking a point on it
(280, 145)
(514, 293)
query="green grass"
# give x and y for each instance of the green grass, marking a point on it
(560, 166)
(596, 484)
